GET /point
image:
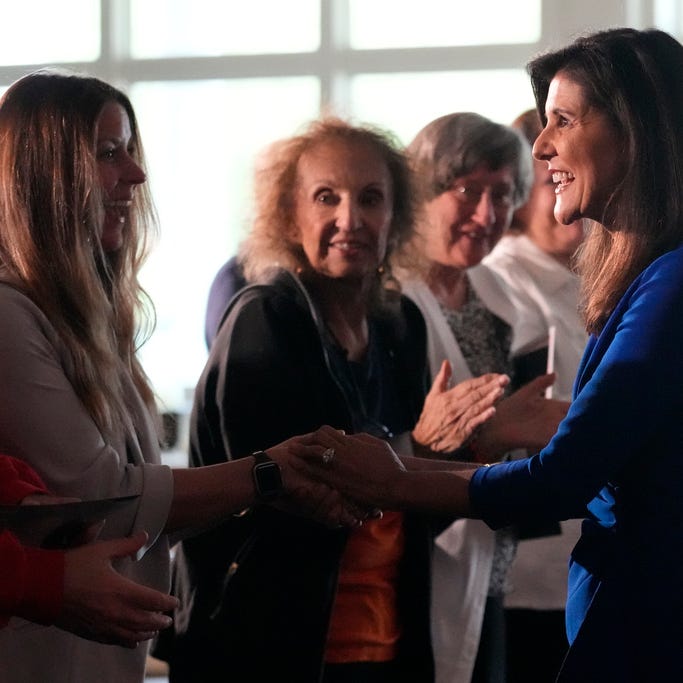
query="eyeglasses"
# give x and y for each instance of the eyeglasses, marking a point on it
(470, 194)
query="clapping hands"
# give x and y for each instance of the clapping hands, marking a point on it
(450, 416)
(525, 419)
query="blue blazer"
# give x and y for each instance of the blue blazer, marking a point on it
(617, 459)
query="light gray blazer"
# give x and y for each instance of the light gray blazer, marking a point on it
(43, 422)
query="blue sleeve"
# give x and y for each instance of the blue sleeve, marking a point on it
(626, 411)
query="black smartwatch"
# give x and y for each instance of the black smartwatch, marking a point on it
(267, 477)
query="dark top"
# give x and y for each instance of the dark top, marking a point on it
(228, 281)
(273, 372)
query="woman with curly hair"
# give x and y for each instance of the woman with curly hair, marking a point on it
(322, 337)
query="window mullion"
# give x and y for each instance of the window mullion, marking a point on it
(334, 45)
(115, 41)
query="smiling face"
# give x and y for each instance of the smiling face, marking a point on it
(583, 151)
(465, 222)
(541, 227)
(119, 172)
(343, 208)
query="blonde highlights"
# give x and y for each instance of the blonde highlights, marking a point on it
(51, 213)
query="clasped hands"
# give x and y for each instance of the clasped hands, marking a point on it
(341, 479)
(335, 478)
(345, 480)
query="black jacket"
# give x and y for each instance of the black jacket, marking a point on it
(257, 592)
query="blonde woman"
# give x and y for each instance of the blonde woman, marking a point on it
(75, 403)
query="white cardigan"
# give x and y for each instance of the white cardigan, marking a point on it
(463, 553)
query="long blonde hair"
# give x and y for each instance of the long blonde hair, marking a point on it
(51, 213)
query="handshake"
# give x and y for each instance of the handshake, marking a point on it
(341, 479)
(335, 478)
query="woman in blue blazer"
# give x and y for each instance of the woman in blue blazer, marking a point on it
(612, 109)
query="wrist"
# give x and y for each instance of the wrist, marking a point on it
(487, 445)
(420, 449)
(399, 492)
(267, 478)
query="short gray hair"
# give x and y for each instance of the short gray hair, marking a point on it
(454, 145)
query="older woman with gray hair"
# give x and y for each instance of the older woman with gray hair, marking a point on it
(472, 174)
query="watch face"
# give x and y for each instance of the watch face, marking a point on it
(268, 479)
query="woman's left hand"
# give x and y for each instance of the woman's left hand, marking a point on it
(450, 416)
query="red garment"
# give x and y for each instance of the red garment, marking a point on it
(31, 579)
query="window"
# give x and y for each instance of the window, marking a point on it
(44, 32)
(668, 15)
(434, 23)
(215, 81)
(499, 94)
(201, 138)
(196, 28)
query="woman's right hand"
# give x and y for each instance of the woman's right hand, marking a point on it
(363, 468)
(525, 419)
(450, 416)
(308, 495)
(99, 604)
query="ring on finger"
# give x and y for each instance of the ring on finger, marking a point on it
(328, 456)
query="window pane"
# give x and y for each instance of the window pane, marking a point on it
(39, 32)
(177, 28)
(381, 98)
(669, 16)
(432, 23)
(201, 139)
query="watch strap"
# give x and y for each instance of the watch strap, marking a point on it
(267, 477)
(261, 457)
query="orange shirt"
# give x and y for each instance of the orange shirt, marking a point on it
(365, 625)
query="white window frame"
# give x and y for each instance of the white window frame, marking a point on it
(335, 62)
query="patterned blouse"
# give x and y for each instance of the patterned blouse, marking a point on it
(484, 340)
